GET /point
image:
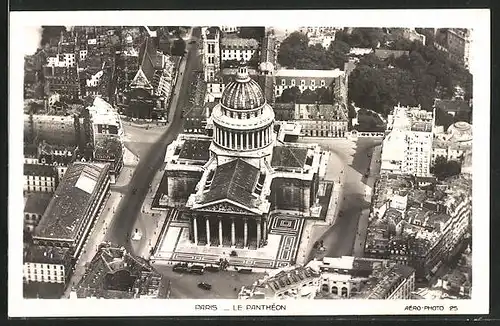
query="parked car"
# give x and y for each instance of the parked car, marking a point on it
(245, 270)
(197, 269)
(181, 268)
(212, 268)
(205, 286)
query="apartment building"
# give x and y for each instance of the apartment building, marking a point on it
(40, 177)
(407, 147)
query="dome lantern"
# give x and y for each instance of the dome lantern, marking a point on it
(243, 93)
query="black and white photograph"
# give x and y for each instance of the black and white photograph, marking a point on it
(210, 158)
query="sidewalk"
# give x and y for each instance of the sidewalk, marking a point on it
(96, 236)
(359, 242)
(150, 221)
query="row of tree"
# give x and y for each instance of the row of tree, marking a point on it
(296, 53)
(320, 95)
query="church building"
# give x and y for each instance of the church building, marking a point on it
(230, 184)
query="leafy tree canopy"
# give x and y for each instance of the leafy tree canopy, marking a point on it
(179, 47)
(296, 53)
(320, 95)
(252, 32)
(417, 78)
(443, 168)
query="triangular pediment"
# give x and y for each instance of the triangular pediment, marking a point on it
(140, 80)
(227, 206)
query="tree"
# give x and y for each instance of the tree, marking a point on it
(443, 118)
(290, 95)
(292, 48)
(308, 97)
(179, 47)
(324, 95)
(443, 168)
(257, 33)
(338, 53)
(51, 32)
(362, 37)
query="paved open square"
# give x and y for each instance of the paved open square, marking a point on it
(280, 251)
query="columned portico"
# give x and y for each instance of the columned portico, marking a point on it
(220, 231)
(245, 233)
(207, 219)
(259, 226)
(224, 229)
(195, 230)
(265, 229)
(233, 233)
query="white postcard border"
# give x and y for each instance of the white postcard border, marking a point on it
(477, 19)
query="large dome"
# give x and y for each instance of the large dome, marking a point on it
(243, 93)
(460, 131)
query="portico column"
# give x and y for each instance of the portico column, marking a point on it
(248, 140)
(258, 222)
(195, 230)
(241, 141)
(225, 138)
(260, 137)
(245, 234)
(230, 135)
(208, 230)
(265, 229)
(233, 233)
(220, 231)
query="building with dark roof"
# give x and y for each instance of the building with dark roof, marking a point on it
(64, 81)
(34, 208)
(456, 43)
(322, 120)
(238, 49)
(454, 107)
(284, 111)
(195, 120)
(114, 273)
(347, 276)
(46, 264)
(149, 92)
(40, 177)
(232, 179)
(335, 80)
(290, 283)
(72, 211)
(396, 284)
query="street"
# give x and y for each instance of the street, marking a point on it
(339, 238)
(121, 228)
(185, 286)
